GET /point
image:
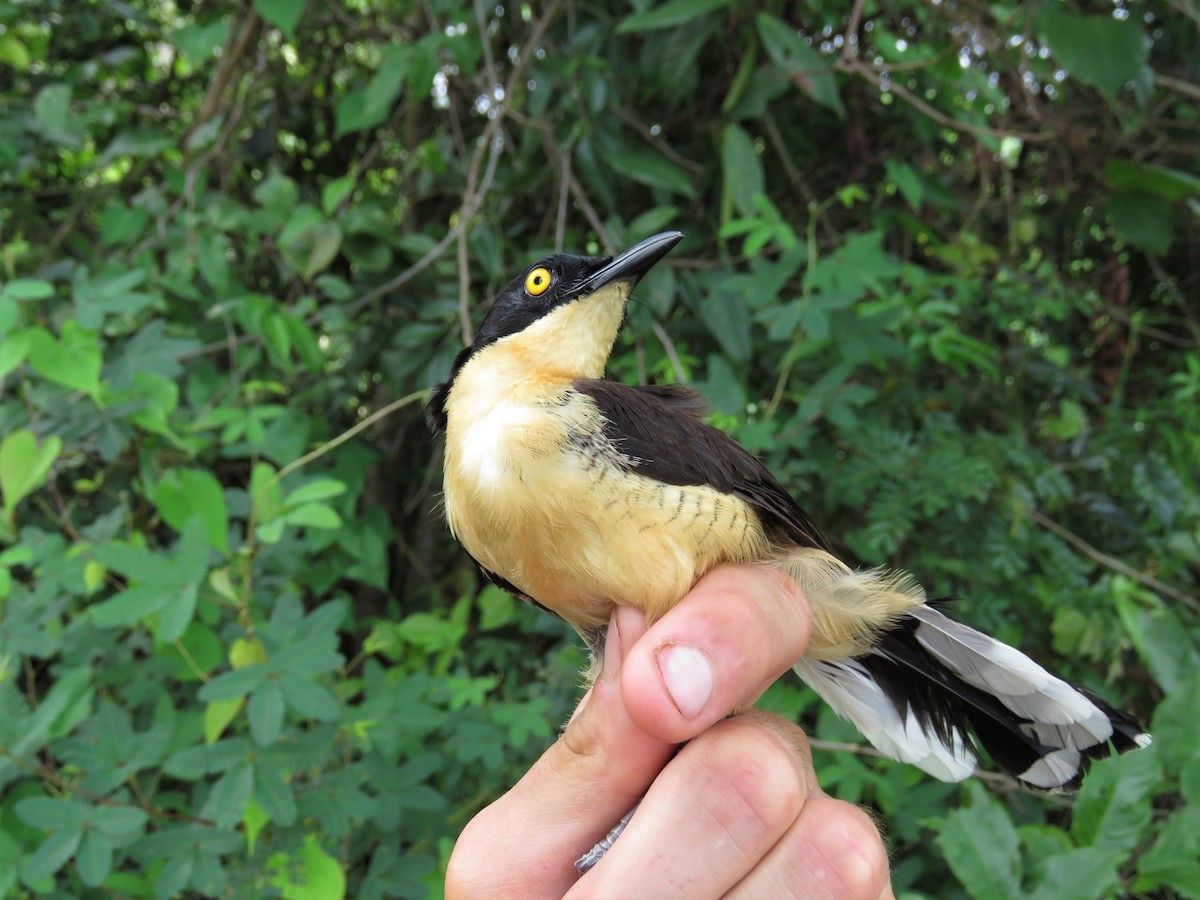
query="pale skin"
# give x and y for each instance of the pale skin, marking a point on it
(737, 813)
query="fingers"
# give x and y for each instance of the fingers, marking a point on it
(738, 812)
(721, 646)
(526, 842)
(833, 850)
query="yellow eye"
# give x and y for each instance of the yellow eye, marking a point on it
(537, 282)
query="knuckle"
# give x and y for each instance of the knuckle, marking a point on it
(753, 778)
(852, 849)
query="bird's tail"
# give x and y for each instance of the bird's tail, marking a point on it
(929, 683)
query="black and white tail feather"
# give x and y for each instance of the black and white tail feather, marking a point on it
(929, 683)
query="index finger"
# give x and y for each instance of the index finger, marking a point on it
(717, 650)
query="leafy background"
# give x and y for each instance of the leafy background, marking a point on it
(940, 271)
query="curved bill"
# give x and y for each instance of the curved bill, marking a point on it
(634, 262)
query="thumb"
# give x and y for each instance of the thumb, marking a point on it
(575, 793)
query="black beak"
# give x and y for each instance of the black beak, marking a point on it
(635, 262)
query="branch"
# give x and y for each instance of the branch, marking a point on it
(229, 61)
(1115, 564)
(858, 67)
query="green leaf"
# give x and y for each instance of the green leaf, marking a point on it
(1176, 727)
(1174, 860)
(13, 53)
(1113, 808)
(908, 182)
(1098, 50)
(981, 847)
(313, 515)
(335, 192)
(370, 106)
(174, 875)
(28, 289)
(93, 859)
(53, 814)
(308, 698)
(651, 168)
(183, 493)
(1171, 184)
(496, 607)
(1146, 220)
(234, 683)
(52, 111)
(283, 14)
(275, 796)
(73, 361)
(13, 350)
(199, 42)
(52, 855)
(669, 14)
(727, 319)
(24, 465)
(228, 798)
(321, 489)
(265, 712)
(309, 874)
(741, 167)
(1083, 873)
(810, 70)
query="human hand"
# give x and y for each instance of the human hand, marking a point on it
(737, 812)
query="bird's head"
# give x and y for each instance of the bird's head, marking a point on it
(560, 316)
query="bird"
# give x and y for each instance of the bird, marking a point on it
(577, 493)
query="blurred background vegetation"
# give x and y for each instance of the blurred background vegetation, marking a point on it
(941, 272)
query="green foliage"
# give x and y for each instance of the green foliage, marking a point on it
(937, 273)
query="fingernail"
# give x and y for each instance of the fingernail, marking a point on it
(612, 648)
(688, 676)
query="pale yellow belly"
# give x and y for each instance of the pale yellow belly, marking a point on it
(557, 526)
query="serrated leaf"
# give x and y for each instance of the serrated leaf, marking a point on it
(981, 846)
(1082, 873)
(1176, 727)
(1113, 808)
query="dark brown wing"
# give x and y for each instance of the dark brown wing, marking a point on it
(660, 430)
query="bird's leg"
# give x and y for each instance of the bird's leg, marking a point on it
(593, 856)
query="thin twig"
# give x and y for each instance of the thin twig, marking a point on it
(869, 72)
(1176, 84)
(1115, 564)
(47, 774)
(665, 339)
